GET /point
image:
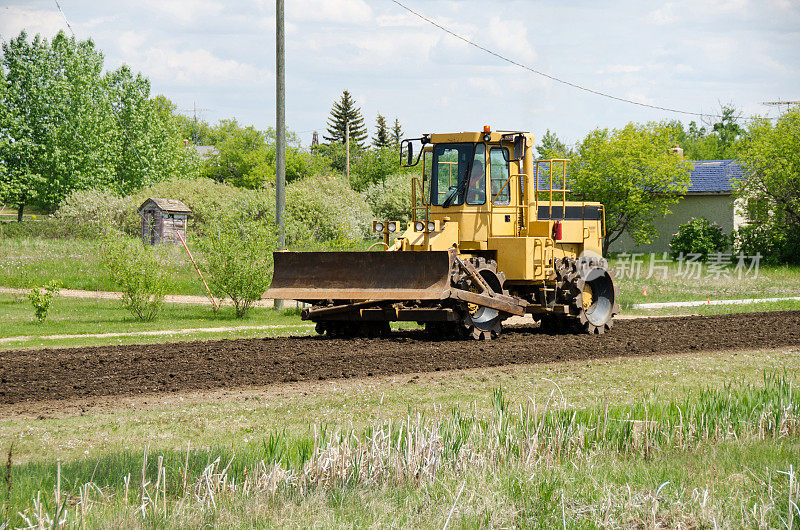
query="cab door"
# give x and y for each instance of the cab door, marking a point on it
(503, 192)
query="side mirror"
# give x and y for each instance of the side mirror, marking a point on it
(407, 157)
(519, 147)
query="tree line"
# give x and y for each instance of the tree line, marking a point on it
(67, 125)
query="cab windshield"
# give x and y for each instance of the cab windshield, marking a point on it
(452, 163)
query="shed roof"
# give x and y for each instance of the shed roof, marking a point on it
(167, 205)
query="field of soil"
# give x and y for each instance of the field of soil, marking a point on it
(29, 376)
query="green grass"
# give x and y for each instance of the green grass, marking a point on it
(771, 282)
(709, 455)
(76, 316)
(29, 262)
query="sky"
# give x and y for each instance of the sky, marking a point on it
(219, 56)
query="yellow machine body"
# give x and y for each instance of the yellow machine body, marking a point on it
(525, 222)
(492, 235)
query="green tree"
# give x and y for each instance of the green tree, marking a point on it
(721, 140)
(771, 158)
(371, 166)
(632, 172)
(245, 156)
(551, 147)
(381, 138)
(397, 133)
(196, 130)
(54, 126)
(727, 130)
(344, 111)
(242, 156)
(68, 126)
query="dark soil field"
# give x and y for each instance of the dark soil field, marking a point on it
(29, 376)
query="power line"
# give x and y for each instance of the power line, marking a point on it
(65, 17)
(110, 105)
(551, 77)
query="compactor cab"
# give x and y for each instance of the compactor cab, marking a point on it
(492, 235)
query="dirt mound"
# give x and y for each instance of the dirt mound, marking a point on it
(52, 374)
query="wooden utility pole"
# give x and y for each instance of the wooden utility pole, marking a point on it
(347, 150)
(280, 152)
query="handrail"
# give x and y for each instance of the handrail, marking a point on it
(544, 243)
(449, 174)
(563, 190)
(425, 206)
(603, 209)
(501, 191)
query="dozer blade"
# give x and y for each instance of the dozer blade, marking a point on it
(398, 276)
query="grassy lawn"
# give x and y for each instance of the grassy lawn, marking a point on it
(771, 282)
(686, 440)
(76, 316)
(28, 262)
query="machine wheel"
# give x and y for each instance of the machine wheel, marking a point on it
(589, 289)
(478, 322)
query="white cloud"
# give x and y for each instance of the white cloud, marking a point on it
(666, 14)
(512, 41)
(486, 85)
(198, 67)
(14, 19)
(399, 20)
(341, 11)
(640, 97)
(183, 11)
(621, 69)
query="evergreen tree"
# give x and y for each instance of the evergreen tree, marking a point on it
(344, 111)
(397, 133)
(381, 138)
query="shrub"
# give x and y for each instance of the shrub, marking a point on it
(326, 208)
(238, 257)
(698, 236)
(42, 299)
(138, 271)
(203, 196)
(373, 166)
(777, 245)
(89, 213)
(391, 199)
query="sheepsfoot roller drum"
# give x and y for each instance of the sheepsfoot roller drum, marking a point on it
(360, 293)
(586, 296)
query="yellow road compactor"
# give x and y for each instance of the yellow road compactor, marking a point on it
(492, 235)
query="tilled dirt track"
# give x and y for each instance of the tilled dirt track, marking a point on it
(76, 373)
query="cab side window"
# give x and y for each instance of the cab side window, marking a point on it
(500, 183)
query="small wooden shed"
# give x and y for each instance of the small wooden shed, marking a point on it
(163, 220)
